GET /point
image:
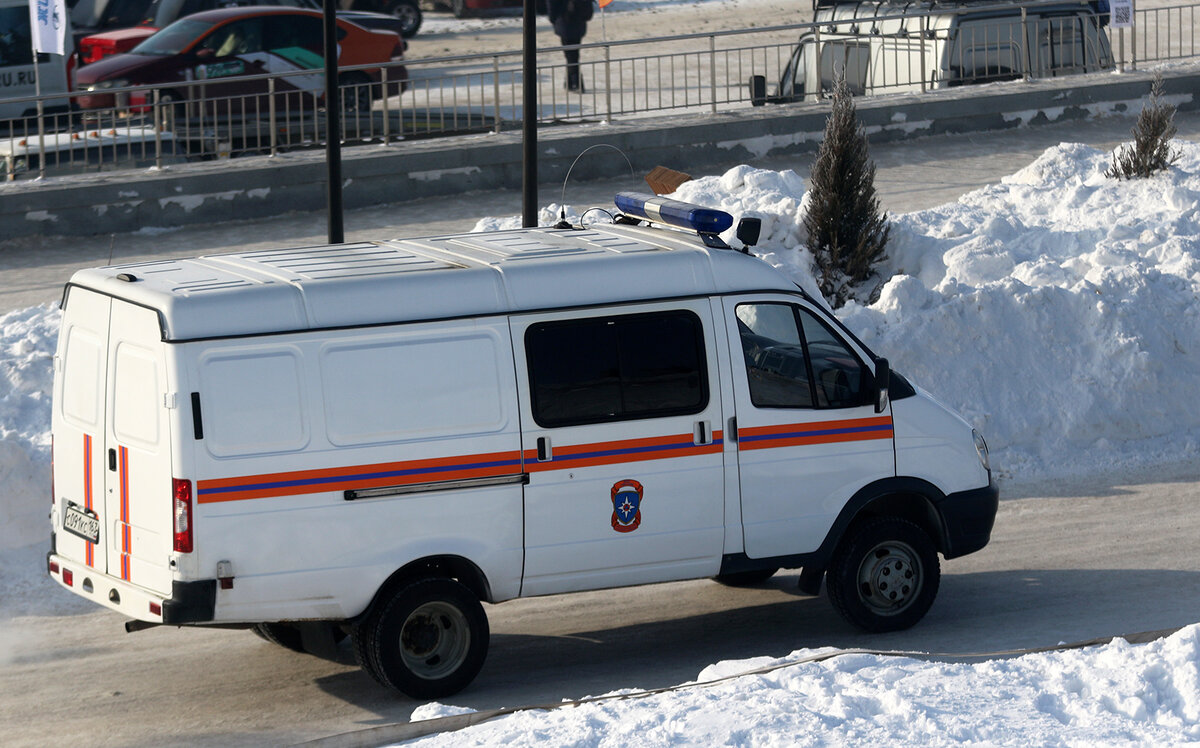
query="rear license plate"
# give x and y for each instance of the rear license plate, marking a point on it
(82, 522)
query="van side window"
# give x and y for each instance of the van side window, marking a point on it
(793, 360)
(605, 369)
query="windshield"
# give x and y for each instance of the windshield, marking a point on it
(173, 39)
(108, 14)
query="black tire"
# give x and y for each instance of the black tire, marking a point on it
(863, 573)
(745, 578)
(409, 14)
(282, 634)
(355, 94)
(289, 637)
(428, 641)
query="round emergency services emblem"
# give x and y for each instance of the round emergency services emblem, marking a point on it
(627, 505)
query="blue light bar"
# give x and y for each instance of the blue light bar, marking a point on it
(673, 212)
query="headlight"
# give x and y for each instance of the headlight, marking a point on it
(981, 449)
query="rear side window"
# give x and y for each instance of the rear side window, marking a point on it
(604, 369)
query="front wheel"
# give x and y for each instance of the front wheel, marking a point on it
(884, 575)
(428, 641)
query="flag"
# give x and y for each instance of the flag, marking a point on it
(48, 21)
(605, 3)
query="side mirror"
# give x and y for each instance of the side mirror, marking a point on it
(204, 53)
(758, 90)
(883, 376)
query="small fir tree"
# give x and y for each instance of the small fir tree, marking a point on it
(1151, 150)
(847, 234)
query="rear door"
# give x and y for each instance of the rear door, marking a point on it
(78, 425)
(808, 436)
(112, 470)
(621, 416)
(137, 488)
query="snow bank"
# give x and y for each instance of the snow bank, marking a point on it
(1116, 694)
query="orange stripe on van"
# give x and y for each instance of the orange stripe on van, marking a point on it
(89, 549)
(126, 528)
(623, 451)
(495, 464)
(818, 432)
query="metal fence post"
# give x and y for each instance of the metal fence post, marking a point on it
(712, 71)
(608, 82)
(271, 116)
(157, 130)
(816, 62)
(386, 114)
(1021, 45)
(1133, 35)
(924, 23)
(496, 93)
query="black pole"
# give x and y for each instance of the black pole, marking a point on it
(333, 125)
(529, 170)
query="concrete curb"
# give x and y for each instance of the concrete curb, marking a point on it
(261, 187)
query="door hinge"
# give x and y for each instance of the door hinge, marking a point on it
(171, 400)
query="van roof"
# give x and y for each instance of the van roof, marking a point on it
(403, 280)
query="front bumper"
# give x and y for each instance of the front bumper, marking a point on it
(968, 517)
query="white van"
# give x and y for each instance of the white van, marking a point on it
(374, 438)
(887, 46)
(16, 66)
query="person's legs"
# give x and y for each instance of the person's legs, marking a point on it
(574, 82)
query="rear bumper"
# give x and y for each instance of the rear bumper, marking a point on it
(189, 602)
(968, 517)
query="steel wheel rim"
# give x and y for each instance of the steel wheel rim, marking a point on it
(890, 578)
(434, 640)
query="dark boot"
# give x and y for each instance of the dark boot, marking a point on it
(574, 82)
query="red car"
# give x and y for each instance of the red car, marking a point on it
(216, 48)
(404, 18)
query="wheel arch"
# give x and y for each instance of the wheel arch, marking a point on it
(458, 568)
(912, 499)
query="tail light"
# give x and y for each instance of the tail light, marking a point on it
(182, 512)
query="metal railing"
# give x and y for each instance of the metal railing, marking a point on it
(154, 126)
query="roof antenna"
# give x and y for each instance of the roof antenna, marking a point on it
(562, 201)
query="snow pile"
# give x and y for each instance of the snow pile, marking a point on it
(1116, 694)
(1057, 311)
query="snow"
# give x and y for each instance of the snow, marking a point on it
(1058, 311)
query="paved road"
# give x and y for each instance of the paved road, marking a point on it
(1065, 564)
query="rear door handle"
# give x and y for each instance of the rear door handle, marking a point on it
(543, 449)
(112, 460)
(701, 433)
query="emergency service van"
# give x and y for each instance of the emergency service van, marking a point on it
(890, 46)
(372, 439)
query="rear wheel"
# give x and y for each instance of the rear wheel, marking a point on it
(428, 641)
(884, 575)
